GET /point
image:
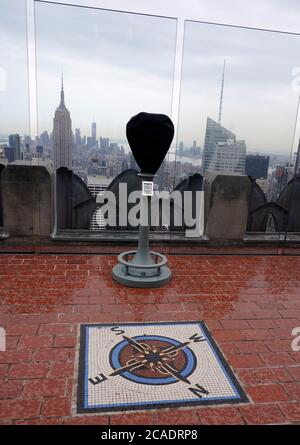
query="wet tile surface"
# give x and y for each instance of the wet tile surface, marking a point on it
(249, 304)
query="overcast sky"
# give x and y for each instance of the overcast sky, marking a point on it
(13, 67)
(117, 64)
(259, 103)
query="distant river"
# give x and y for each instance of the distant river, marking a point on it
(194, 161)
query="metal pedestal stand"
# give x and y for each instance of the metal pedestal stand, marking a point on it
(142, 267)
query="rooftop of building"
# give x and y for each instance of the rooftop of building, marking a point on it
(98, 180)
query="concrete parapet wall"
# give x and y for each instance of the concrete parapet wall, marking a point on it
(27, 211)
(26, 201)
(226, 206)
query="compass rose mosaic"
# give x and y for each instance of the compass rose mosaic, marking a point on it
(152, 365)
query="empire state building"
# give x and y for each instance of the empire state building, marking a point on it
(62, 135)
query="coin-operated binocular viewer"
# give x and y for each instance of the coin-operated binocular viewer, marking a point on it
(149, 136)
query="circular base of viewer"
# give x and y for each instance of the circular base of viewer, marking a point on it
(120, 276)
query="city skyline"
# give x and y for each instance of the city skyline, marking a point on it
(102, 160)
(91, 134)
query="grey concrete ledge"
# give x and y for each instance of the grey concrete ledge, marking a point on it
(258, 237)
(123, 236)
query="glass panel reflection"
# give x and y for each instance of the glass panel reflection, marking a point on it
(97, 70)
(14, 115)
(238, 113)
(17, 199)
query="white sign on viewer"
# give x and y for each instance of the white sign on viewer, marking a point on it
(2, 340)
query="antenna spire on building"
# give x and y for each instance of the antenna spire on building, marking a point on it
(62, 93)
(221, 95)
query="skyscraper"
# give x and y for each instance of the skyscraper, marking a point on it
(62, 134)
(297, 161)
(14, 144)
(257, 166)
(104, 145)
(222, 152)
(77, 137)
(94, 133)
(9, 153)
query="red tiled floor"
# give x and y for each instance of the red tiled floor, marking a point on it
(220, 416)
(250, 304)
